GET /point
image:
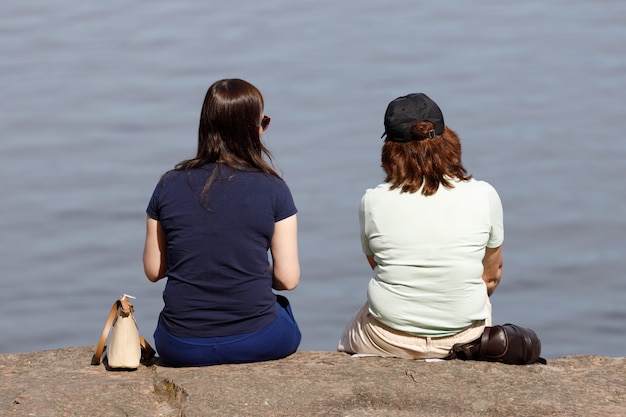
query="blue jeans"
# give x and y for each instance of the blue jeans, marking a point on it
(278, 339)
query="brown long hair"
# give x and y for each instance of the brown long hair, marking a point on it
(228, 132)
(229, 128)
(424, 163)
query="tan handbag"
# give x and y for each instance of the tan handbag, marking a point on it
(126, 347)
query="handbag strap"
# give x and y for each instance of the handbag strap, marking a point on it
(527, 342)
(97, 357)
(147, 352)
(482, 352)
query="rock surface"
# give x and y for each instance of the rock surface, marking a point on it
(63, 383)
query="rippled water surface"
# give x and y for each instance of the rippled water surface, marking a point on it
(100, 98)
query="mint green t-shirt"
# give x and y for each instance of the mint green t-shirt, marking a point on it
(429, 252)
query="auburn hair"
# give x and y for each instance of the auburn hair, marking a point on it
(425, 163)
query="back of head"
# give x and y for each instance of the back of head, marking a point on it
(404, 112)
(229, 122)
(420, 152)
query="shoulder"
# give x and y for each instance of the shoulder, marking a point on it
(380, 189)
(172, 175)
(381, 195)
(261, 179)
(375, 192)
(174, 178)
(487, 192)
(167, 179)
(477, 185)
(264, 186)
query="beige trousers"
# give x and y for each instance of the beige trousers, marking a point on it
(366, 335)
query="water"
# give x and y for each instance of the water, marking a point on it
(98, 99)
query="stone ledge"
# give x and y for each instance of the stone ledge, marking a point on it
(62, 382)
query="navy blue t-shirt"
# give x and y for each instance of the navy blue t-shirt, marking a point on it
(217, 251)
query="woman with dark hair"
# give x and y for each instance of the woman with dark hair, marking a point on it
(433, 235)
(211, 221)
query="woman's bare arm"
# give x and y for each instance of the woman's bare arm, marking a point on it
(284, 250)
(492, 268)
(155, 251)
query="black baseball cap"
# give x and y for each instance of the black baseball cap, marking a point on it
(405, 111)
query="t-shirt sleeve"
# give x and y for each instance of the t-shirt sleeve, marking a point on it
(285, 206)
(365, 244)
(153, 210)
(496, 236)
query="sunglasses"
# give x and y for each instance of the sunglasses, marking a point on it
(265, 122)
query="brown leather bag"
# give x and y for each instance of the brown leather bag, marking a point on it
(506, 343)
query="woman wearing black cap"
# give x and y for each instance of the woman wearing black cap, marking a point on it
(433, 236)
